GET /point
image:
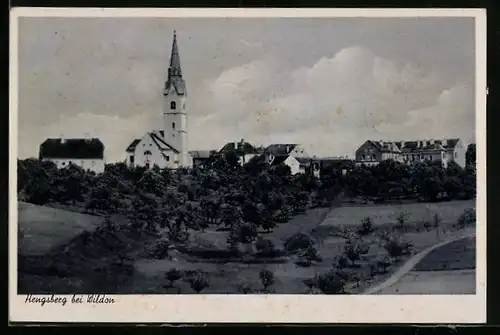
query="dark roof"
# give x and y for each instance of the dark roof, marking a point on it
(280, 149)
(200, 153)
(131, 147)
(277, 160)
(175, 79)
(156, 139)
(245, 147)
(72, 148)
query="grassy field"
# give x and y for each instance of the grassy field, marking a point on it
(349, 216)
(43, 228)
(227, 275)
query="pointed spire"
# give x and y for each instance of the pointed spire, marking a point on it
(175, 79)
(175, 63)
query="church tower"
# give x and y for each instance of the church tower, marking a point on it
(174, 107)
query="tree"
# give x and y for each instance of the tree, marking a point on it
(470, 155)
(198, 281)
(330, 283)
(266, 278)
(173, 275)
(366, 226)
(352, 252)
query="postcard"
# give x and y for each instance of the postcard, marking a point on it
(247, 165)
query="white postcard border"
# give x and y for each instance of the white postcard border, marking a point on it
(260, 308)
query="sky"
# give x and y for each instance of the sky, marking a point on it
(326, 83)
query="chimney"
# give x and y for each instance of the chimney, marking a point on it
(432, 142)
(63, 140)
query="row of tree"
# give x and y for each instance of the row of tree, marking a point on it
(241, 199)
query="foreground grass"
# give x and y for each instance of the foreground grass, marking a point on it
(86, 273)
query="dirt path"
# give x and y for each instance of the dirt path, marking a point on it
(446, 268)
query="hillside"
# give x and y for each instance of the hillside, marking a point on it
(41, 229)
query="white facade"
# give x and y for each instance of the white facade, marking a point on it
(151, 151)
(94, 164)
(175, 124)
(294, 165)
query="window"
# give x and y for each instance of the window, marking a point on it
(362, 157)
(373, 157)
(172, 105)
(63, 163)
(456, 155)
(131, 159)
(147, 152)
(430, 158)
(167, 158)
(147, 165)
(93, 163)
(173, 125)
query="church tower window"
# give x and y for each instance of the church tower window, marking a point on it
(173, 125)
(172, 105)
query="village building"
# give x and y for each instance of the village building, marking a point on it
(443, 150)
(201, 157)
(243, 149)
(167, 147)
(87, 153)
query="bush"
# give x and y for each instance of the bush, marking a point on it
(265, 247)
(401, 219)
(353, 252)
(436, 220)
(308, 256)
(299, 241)
(383, 264)
(173, 275)
(330, 283)
(160, 249)
(245, 289)
(266, 278)
(396, 248)
(197, 280)
(366, 226)
(467, 218)
(341, 262)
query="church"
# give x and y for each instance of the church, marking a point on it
(167, 147)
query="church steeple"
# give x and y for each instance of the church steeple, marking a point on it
(175, 63)
(175, 80)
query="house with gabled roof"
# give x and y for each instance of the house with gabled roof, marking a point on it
(245, 150)
(151, 150)
(87, 153)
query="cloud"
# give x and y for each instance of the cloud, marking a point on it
(336, 104)
(331, 106)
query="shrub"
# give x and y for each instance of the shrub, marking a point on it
(310, 283)
(308, 256)
(298, 241)
(366, 226)
(265, 247)
(341, 262)
(245, 289)
(467, 218)
(197, 280)
(352, 252)
(173, 275)
(383, 264)
(330, 283)
(436, 220)
(401, 219)
(160, 249)
(266, 278)
(396, 248)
